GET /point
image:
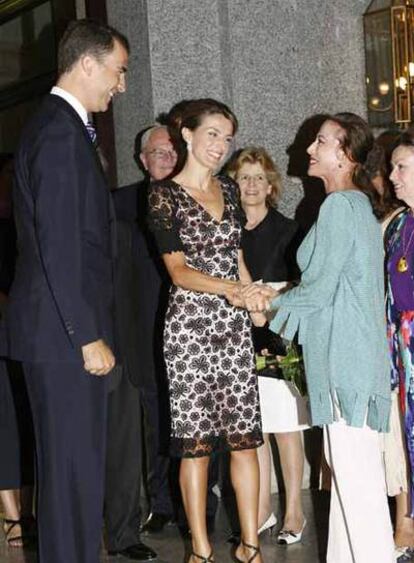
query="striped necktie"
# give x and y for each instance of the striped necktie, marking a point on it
(92, 132)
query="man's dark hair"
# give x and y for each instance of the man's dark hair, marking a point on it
(86, 37)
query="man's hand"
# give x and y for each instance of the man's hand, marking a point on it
(98, 358)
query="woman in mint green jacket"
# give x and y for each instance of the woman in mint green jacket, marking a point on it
(338, 312)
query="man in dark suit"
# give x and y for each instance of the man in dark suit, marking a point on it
(154, 152)
(59, 317)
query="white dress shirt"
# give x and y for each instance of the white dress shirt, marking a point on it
(74, 102)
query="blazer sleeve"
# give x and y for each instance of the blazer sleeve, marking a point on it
(56, 180)
(334, 241)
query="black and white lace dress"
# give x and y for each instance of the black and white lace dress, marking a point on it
(207, 342)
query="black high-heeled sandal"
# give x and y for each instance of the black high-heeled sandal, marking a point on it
(202, 558)
(254, 548)
(18, 540)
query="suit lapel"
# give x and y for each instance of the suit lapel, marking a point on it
(73, 115)
(64, 106)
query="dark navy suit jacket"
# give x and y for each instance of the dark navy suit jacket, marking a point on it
(62, 294)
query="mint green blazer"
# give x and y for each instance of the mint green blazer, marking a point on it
(338, 312)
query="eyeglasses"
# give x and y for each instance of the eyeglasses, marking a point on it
(245, 178)
(162, 154)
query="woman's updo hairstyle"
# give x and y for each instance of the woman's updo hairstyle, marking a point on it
(195, 111)
(359, 145)
(191, 115)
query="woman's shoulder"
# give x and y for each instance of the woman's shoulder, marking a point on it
(344, 212)
(281, 220)
(162, 185)
(393, 229)
(231, 188)
(162, 190)
(346, 202)
(352, 196)
(228, 183)
(392, 217)
(161, 197)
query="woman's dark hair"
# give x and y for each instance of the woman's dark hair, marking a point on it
(173, 120)
(359, 145)
(174, 117)
(381, 177)
(405, 139)
(190, 114)
(86, 37)
(194, 112)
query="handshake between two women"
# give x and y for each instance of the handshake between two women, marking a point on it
(256, 297)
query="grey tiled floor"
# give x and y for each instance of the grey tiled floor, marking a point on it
(171, 547)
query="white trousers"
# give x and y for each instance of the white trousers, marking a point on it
(360, 529)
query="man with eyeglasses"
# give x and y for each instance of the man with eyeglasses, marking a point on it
(157, 154)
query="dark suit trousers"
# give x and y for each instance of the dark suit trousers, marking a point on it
(123, 466)
(69, 416)
(157, 430)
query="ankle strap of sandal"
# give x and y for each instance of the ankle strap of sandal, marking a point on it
(254, 548)
(202, 558)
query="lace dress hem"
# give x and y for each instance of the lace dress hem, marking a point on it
(205, 446)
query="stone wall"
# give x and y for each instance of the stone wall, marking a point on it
(276, 63)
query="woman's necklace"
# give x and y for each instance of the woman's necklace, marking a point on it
(402, 264)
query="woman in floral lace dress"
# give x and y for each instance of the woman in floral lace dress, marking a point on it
(197, 222)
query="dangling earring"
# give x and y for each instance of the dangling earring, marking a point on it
(189, 146)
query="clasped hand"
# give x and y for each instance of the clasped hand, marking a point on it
(255, 297)
(98, 358)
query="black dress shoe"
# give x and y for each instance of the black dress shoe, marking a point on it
(155, 523)
(137, 552)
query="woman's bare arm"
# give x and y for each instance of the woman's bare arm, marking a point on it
(186, 277)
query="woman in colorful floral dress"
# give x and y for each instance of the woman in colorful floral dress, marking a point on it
(399, 247)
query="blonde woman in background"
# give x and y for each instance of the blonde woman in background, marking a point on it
(267, 243)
